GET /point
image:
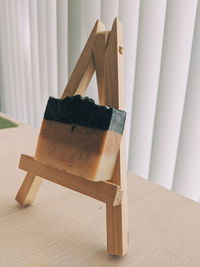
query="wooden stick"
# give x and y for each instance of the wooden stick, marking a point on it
(114, 68)
(84, 68)
(28, 189)
(99, 48)
(117, 217)
(103, 191)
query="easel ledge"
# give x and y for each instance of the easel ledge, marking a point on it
(104, 191)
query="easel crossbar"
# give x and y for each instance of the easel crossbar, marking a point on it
(104, 191)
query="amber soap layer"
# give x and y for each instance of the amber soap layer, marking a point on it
(83, 151)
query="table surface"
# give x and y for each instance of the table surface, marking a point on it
(64, 228)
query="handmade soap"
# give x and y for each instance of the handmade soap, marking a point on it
(80, 137)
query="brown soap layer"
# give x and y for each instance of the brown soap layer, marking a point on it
(86, 152)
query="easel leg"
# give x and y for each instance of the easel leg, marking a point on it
(117, 227)
(106, 50)
(28, 189)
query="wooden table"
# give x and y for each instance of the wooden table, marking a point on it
(64, 228)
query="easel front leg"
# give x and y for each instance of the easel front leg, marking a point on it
(28, 189)
(117, 217)
(117, 238)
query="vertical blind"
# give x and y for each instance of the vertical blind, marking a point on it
(40, 41)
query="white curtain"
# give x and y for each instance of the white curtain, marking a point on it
(40, 41)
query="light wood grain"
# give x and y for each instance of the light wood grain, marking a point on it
(103, 191)
(114, 68)
(65, 228)
(99, 48)
(28, 190)
(117, 217)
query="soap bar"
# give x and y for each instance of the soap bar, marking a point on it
(80, 137)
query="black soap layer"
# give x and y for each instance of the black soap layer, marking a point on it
(83, 111)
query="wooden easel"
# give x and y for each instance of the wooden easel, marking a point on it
(103, 52)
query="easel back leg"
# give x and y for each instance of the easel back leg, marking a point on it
(29, 189)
